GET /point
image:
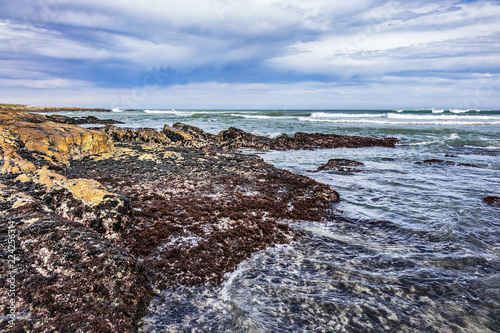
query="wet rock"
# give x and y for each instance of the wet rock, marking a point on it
(340, 164)
(67, 277)
(444, 163)
(81, 120)
(492, 201)
(234, 138)
(198, 214)
(319, 140)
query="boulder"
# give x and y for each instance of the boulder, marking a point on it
(57, 143)
(340, 164)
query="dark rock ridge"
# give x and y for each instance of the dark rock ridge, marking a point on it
(105, 217)
(492, 200)
(340, 164)
(233, 138)
(81, 120)
(445, 163)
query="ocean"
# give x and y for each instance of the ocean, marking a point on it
(418, 249)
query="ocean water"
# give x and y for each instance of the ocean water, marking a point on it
(418, 249)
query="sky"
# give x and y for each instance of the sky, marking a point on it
(251, 54)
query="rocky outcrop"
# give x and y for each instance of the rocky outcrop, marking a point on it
(340, 164)
(235, 138)
(232, 139)
(81, 120)
(492, 200)
(100, 224)
(141, 135)
(66, 278)
(198, 214)
(42, 141)
(445, 163)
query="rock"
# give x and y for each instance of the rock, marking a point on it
(85, 201)
(492, 201)
(141, 135)
(319, 140)
(176, 135)
(151, 136)
(445, 163)
(340, 164)
(68, 278)
(81, 120)
(197, 214)
(195, 132)
(47, 140)
(235, 138)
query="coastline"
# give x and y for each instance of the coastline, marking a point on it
(132, 197)
(31, 108)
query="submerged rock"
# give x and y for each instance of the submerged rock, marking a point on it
(341, 164)
(445, 163)
(492, 201)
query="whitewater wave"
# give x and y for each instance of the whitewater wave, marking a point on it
(322, 115)
(396, 121)
(116, 110)
(440, 116)
(247, 116)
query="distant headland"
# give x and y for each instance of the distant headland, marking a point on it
(32, 108)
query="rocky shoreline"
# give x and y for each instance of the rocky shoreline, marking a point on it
(105, 218)
(31, 108)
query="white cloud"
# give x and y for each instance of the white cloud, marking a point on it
(415, 44)
(460, 92)
(377, 42)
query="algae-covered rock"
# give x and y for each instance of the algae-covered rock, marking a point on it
(67, 278)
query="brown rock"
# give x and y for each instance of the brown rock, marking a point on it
(54, 142)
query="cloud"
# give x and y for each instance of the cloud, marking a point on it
(248, 50)
(422, 42)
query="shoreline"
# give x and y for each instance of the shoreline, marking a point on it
(154, 210)
(31, 108)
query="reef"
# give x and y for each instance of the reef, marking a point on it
(103, 219)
